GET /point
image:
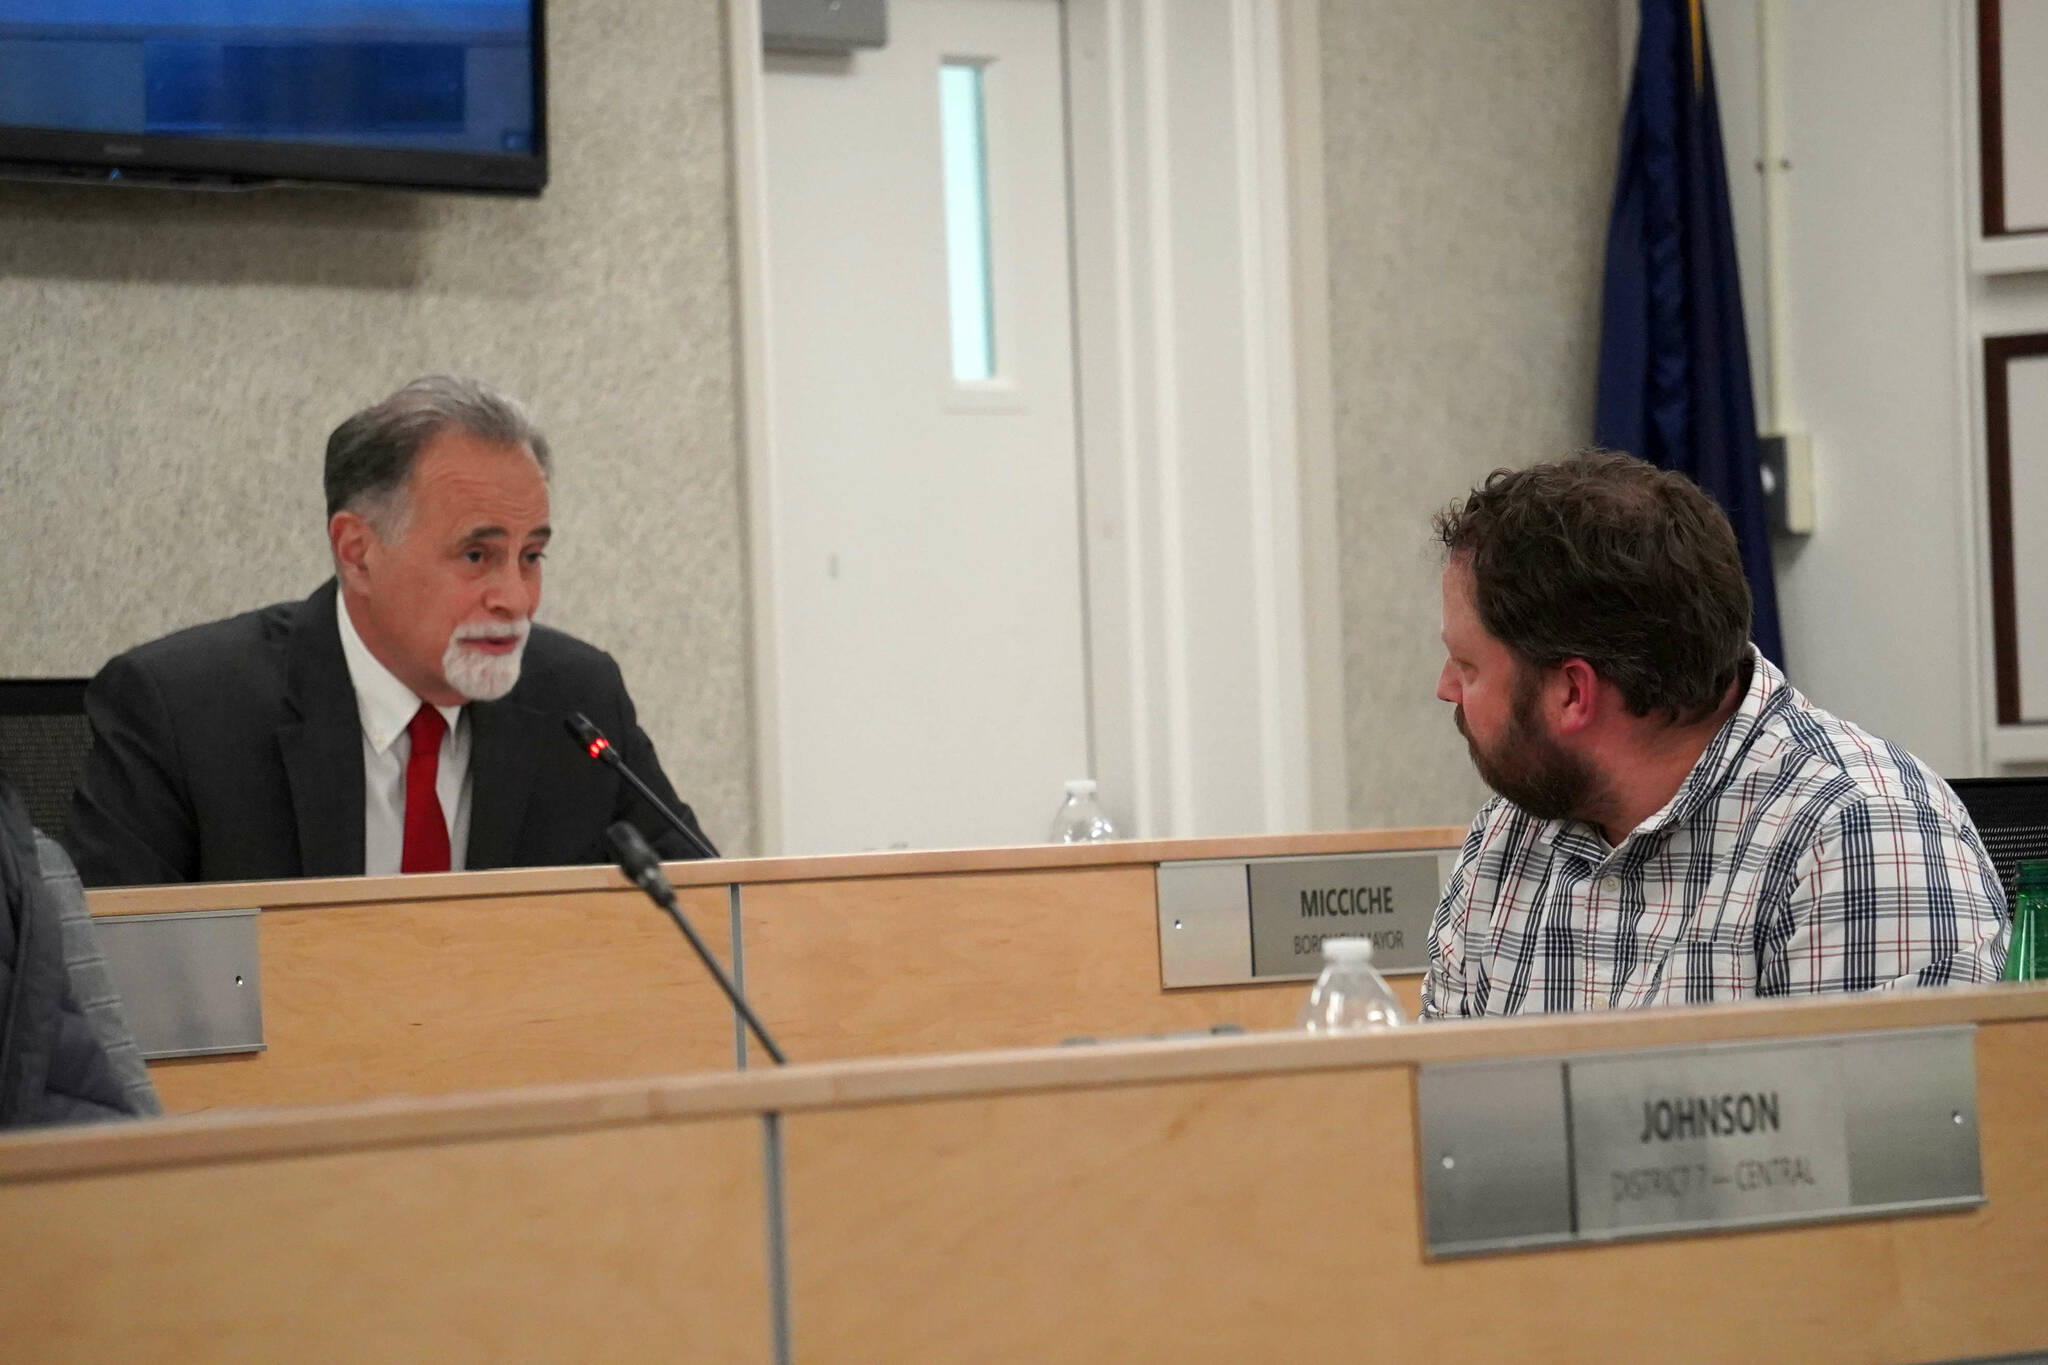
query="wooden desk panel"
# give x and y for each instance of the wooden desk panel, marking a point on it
(642, 1242)
(1233, 1199)
(1229, 1220)
(427, 997)
(954, 962)
(1183, 1222)
(437, 983)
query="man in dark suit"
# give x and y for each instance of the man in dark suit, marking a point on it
(407, 717)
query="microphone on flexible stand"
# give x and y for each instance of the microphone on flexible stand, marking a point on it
(598, 747)
(640, 863)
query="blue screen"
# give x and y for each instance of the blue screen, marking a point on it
(431, 75)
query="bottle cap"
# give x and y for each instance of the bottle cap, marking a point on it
(1080, 786)
(1347, 950)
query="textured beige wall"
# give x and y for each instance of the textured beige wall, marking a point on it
(1469, 151)
(170, 365)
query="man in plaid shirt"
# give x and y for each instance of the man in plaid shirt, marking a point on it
(1675, 822)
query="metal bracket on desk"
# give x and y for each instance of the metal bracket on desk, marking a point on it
(190, 981)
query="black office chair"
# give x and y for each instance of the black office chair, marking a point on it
(44, 739)
(2011, 815)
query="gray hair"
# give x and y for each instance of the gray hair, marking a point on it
(370, 456)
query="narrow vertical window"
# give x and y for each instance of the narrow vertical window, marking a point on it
(965, 151)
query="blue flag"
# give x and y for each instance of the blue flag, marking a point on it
(1674, 360)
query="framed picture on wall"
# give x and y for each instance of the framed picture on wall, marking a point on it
(2016, 450)
(2012, 116)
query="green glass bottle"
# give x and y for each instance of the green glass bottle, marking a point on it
(2026, 956)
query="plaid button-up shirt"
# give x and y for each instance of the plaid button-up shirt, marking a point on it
(1800, 855)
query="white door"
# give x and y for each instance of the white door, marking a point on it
(926, 605)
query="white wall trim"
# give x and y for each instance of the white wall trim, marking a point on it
(750, 262)
(1980, 707)
(1274, 484)
(1112, 417)
(1313, 402)
(1168, 449)
(1183, 745)
(1143, 757)
(1780, 412)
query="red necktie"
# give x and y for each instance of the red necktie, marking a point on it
(426, 831)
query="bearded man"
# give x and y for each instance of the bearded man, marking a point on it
(1675, 822)
(407, 717)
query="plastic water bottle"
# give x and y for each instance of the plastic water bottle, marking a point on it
(1350, 995)
(1080, 819)
(2026, 952)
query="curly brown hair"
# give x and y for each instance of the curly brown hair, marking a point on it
(1605, 558)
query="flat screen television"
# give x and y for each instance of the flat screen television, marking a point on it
(424, 94)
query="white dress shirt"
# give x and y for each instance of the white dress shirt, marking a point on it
(387, 707)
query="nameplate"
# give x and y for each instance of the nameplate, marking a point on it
(1389, 898)
(1230, 921)
(1666, 1142)
(1708, 1139)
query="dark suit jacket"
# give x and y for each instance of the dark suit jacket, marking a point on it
(234, 752)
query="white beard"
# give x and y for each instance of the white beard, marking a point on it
(480, 676)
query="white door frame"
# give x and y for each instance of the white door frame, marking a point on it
(1208, 715)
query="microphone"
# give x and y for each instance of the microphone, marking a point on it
(593, 741)
(639, 863)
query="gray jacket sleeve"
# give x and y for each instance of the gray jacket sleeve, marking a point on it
(92, 987)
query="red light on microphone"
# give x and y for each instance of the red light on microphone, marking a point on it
(599, 745)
